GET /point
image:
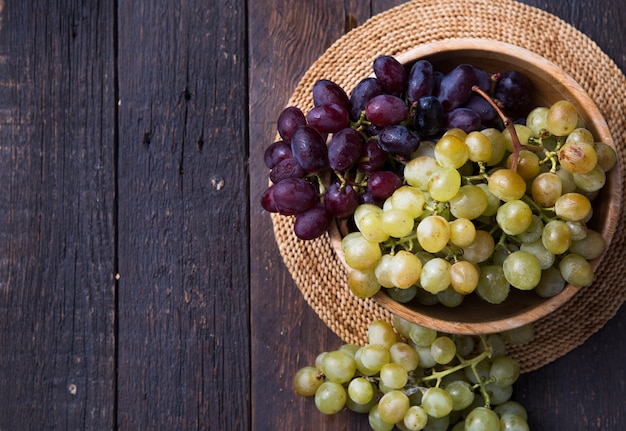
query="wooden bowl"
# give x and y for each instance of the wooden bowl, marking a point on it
(550, 83)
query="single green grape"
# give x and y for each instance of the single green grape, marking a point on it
(338, 366)
(482, 419)
(522, 270)
(330, 398)
(393, 406)
(437, 403)
(307, 380)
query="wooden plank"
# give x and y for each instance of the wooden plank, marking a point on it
(57, 257)
(284, 42)
(183, 229)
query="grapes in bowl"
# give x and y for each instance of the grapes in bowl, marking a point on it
(468, 185)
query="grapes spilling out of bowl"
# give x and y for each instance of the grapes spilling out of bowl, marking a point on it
(419, 379)
(444, 184)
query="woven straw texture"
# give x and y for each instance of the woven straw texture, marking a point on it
(315, 268)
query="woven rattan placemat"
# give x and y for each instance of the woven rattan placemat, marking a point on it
(315, 268)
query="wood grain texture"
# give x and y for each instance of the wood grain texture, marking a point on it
(56, 216)
(183, 230)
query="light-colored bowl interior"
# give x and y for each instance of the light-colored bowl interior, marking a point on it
(550, 83)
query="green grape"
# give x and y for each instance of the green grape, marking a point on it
(425, 149)
(459, 426)
(360, 408)
(393, 406)
(464, 344)
(371, 358)
(506, 184)
(527, 164)
(504, 370)
(514, 217)
(511, 407)
(462, 394)
(470, 202)
(498, 145)
(406, 269)
(591, 181)
(437, 403)
(451, 152)
(546, 258)
(393, 375)
(607, 158)
(536, 120)
(511, 422)
(376, 422)
(371, 226)
(384, 271)
(520, 335)
(578, 157)
(551, 283)
(591, 246)
(462, 232)
(456, 131)
(397, 223)
(450, 297)
(426, 359)
(576, 270)
(498, 394)
(402, 296)
(444, 184)
(567, 181)
(381, 332)
(360, 253)
(546, 188)
(330, 398)
(435, 275)
(433, 233)
(421, 335)
(318, 360)
(482, 373)
(404, 355)
(409, 199)
(481, 249)
(443, 349)
(437, 424)
(426, 298)
(497, 344)
(493, 202)
(580, 134)
(338, 366)
(492, 284)
(417, 172)
(482, 419)
(524, 133)
(578, 229)
(556, 237)
(363, 284)
(307, 380)
(415, 419)
(363, 209)
(532, 232)
(401, 325)
(350, 349)
(361, 391)
(478, 146)
(562, 118)
(522, 270)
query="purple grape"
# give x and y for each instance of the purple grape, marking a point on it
(309, 149)
(374, 157)
(288, 122)
(456, 87)
(397, 139)
(464, 119)
(382, 184)
(428, 117)
(344, 149)
(364, 91)
(328, 118)
(483, 79)
(312, 223)
(513, 90)
(421, 81)
(368, 198)
(276, 152)
(341, 202)
(267, 200)
(293, 196)
(286, 168)
(391, 74)
(326, 92)
(478, 104)
(386, 109)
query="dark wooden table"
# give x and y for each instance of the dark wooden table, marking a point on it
(140, 284)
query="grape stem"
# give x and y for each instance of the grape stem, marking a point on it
(507, 123)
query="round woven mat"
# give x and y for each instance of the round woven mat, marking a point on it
(315, 268)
